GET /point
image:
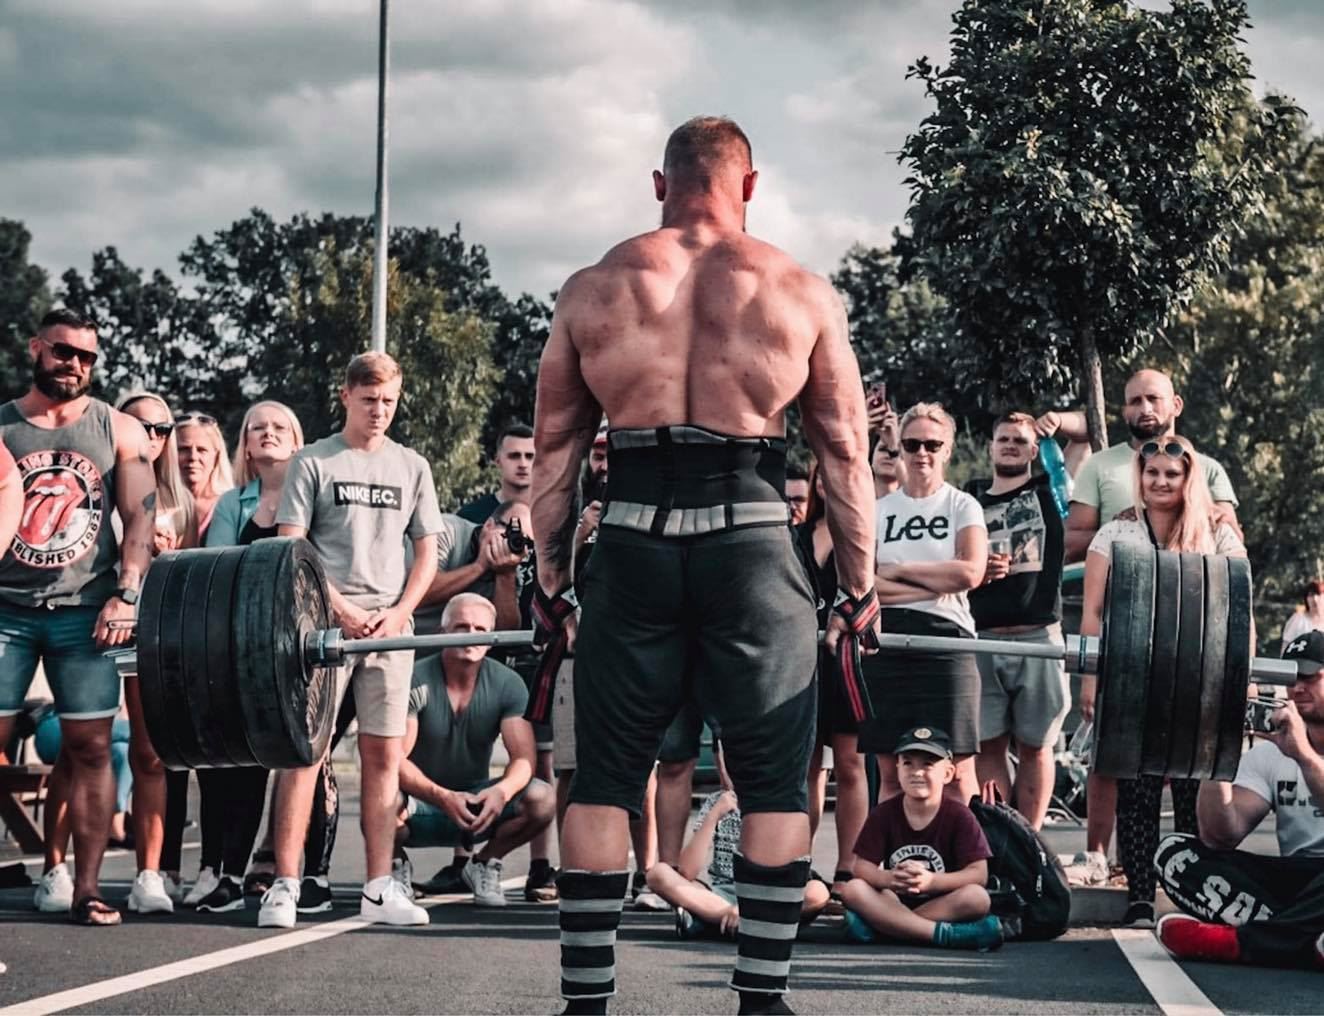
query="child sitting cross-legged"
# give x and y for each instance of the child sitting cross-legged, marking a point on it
(921, 859)
(709, 909)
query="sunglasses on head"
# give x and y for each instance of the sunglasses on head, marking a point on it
(914, 444)
(202, 418)
(1169, 448)
(64, 352)
(161, 430)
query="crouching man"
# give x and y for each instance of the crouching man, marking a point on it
(460, 703)
(1248, 908)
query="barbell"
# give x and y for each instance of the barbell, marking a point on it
(236, 659)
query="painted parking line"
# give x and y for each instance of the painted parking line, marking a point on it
(101, 990)
(1173, 992)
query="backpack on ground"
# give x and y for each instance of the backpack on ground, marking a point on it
(1026, 879)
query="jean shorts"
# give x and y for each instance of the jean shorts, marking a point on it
(83, 680)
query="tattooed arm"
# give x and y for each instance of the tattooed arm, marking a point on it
(565, 420)
(135, 498)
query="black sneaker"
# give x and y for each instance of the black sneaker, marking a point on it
(446, 880)
(1140, 914)
(540, 886)
(228, 895)
(314, 895)
(638, 884)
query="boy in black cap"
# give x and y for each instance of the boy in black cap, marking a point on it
(921, 860)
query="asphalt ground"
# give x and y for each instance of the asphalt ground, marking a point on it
(505, 961)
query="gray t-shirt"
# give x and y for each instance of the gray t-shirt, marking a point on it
(456, 547)
(456, 751)
(359, 508)
(1106, 481)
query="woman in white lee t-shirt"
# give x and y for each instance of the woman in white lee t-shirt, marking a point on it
(1174, 511)
(932, 549)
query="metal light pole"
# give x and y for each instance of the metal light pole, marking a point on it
(382, 201)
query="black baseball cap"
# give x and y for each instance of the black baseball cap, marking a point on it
(926, 739)
(1308, 651)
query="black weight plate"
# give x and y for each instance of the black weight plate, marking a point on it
(281, 596)
(196, 604)
(1120, 706)
(1207, 719)
(1156, 722)
(151, 615)
(1236, 669)
(222, 673)
(175, 638)
(1190, 654)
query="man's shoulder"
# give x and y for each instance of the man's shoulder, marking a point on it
(322, 448)
(498, 672)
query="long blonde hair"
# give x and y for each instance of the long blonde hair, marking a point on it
(1193, 529)
(172, 493)
(221, 479)
(243, 472)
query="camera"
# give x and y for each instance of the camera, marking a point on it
(515, 538)
(1259, 714)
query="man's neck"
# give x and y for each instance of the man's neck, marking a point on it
(881, 487)
(1136, 442)
(461, 676)
(701, 211)
(511, 493)
(41, 409)
(363, 442)
(1003, 484)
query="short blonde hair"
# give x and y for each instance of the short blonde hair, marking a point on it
(931, 411)
(371, 369)
(465, 600)
(242, 472)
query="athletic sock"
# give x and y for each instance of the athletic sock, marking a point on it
(590, 911)
(770, 900)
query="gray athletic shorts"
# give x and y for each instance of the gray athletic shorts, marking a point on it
(1023, 696)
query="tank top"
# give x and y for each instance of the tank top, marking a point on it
(65, 551)
(252, 532)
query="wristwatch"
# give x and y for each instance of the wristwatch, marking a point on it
(129, 596)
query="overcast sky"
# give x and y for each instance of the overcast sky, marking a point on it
(534, 123)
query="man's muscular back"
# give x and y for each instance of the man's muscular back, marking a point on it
(696, 326)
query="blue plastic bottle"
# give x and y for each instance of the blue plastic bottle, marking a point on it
(1050, 457)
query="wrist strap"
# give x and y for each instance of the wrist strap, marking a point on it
(859, 613)
(550, 614)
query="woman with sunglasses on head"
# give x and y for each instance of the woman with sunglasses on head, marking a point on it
(233, 799)
(932, 549)
(204, 463)
(837, 728)
(160, 798)
(1173, 511)
(1304, 621)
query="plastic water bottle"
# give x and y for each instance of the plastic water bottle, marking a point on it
(1050, 457)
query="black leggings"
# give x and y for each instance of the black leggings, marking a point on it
(1138, 827)
(232, 804)
(176, 817)
(1275, 903)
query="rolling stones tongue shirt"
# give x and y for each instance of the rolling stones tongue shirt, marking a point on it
(64, 552)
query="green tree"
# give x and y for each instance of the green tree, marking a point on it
(1085, 168)
(24, 298)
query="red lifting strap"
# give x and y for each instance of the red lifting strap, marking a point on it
(859, 614)
(550, 614)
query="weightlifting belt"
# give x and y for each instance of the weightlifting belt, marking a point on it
(859, 615)
(550, 613)
(687, 481)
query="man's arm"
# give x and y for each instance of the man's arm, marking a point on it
(694, 858)
(1227, 814)
(135, 498)
(348, 617)
(420, 576)
(446, 584)
(1082, 524)
(833, 413)
(415, 783)
(565, 421)
(505, 597)
(517, 736)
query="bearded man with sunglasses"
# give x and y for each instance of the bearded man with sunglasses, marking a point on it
(61, 599)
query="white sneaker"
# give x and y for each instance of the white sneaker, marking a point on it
(1088, 868)
(402, 870)
(485, 881)
(383, 901)
(279, 903)
(174, 888)
(149, 896)
(55, 891)
(649, 900)
(205, 885)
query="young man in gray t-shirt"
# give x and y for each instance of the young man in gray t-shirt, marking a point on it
(357, 496)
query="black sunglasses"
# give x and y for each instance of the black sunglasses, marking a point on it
(195, 418)
(159, 429)
(1169, 448)
(891, 453)
(914, 444)
(64, 352)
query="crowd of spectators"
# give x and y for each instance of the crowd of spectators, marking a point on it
(89, 494)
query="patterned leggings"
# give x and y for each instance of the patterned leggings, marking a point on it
(1138, 827)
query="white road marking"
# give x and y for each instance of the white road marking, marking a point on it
(100, 990)
(1167, 983)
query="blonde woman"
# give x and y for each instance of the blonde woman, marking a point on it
(203, 461)
(932, 549)
(176, 521)
(1173, 511)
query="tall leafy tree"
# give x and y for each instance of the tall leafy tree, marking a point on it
(24, 298)
(1085, 168)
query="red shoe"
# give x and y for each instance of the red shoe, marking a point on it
(1190, 939)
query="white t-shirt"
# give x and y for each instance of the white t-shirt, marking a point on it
(1135, 532)
(1298, 624)
(1268, 773)
(924, 529)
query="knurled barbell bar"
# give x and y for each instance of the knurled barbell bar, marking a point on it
(235, 657)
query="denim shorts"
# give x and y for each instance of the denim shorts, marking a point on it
(83, 680)
(430, 826)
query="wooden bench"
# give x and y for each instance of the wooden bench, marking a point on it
(22, 791)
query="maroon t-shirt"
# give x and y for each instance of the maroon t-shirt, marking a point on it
(951, 841)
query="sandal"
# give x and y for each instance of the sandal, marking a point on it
(94, 912)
